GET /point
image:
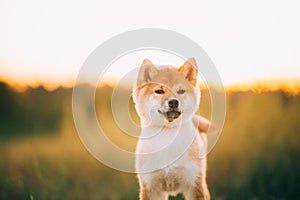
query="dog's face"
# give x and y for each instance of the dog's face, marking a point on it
(166, 95)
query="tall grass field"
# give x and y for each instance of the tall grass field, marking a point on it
(257, 156)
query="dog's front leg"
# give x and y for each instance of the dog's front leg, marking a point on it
(197, 192)
(152, 194)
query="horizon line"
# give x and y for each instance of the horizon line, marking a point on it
(271, 85)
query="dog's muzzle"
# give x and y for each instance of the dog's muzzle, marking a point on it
(173, 111)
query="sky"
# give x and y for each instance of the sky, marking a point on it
(48, 41)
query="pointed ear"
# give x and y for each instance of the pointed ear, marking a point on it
(190, 71)
(146, 62)
(146, 72)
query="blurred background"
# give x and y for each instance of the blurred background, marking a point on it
(254, 45)
(256, 157)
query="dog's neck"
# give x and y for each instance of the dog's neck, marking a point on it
(169, 131)
(174, 125)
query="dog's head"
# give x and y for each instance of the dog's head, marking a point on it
(166, 95)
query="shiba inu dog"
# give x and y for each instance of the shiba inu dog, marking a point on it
(171, 151)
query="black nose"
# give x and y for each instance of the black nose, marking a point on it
(173, 103)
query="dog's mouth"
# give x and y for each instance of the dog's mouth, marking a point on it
(171, 114)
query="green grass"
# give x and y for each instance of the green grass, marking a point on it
(256, 157)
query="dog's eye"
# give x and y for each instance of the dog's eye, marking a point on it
(181, 91)
(159, 91)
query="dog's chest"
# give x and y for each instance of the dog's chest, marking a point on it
(174, 178)
(169, 153)
(170, 179)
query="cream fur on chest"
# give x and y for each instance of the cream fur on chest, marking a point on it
(166, 157)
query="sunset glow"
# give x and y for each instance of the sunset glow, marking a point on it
(249, 51)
